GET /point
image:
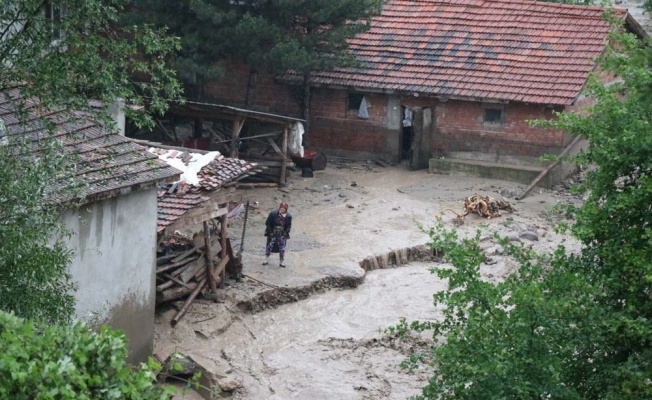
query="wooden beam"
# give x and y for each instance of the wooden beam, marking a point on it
(224, 220)
(197, 216)
(275, 147)
(238, 122)
(209, 259)
(284, 162)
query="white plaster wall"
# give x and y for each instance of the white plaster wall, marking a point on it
(114, 266)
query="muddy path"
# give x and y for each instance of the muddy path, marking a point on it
(314, 329)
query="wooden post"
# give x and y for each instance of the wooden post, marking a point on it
(543, 173)
(188, 302)
(238, 122)
(209, 259)
(284, 152)
(225, 221)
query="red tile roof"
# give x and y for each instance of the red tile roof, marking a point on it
(181, 197)
(506, 50)
(172, 206)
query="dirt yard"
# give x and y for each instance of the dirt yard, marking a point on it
(349, 219)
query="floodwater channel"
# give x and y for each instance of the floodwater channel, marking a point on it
(331, 345)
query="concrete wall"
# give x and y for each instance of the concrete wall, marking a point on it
(114, 266)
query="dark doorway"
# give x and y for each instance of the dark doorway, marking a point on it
(406, 134)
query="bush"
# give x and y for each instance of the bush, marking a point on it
(70, 362)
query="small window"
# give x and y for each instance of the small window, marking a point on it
(493, 115)
(354, 101)
(54, 15)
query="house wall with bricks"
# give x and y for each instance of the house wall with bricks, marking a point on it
(336, 129)
(459, 127)
(114, 241)
(271, 96)
(462, 127)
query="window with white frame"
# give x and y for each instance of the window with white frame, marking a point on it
(54, 13)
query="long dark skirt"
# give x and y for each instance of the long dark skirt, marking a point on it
(276, 244)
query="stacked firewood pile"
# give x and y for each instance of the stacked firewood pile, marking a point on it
(185, 268)
(181, 267)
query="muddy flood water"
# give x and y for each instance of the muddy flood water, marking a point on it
(331, 346)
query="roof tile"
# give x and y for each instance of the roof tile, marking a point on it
(506, 45)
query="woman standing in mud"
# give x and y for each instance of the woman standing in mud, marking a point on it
(277, 230)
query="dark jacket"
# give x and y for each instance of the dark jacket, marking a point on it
(271, 221)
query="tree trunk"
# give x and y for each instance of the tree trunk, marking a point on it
(252, 84)
(306, 109)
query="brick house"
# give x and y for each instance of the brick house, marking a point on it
(457, 79)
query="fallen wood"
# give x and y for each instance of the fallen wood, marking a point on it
(175, 293)
(192, 269)
(163, 286)
(261, 282)
(168, 267)
(163, 259)
(184, 255)
(200, 272)
(221, 266)
(381, 163)
(188, 302)
(180, 282)
(548, 168)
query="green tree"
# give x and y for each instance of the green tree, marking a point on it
(268, 35)
(66, 52)
(568, 326)
(56, 57)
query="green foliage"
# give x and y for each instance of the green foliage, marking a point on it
(70, 362)
(60, 55)
(67, 52)
(34, 261)
(273, 35)
(566, 326)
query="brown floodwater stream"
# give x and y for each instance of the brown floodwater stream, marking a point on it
(329, 346)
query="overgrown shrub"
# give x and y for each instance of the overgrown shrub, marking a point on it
(70, 362)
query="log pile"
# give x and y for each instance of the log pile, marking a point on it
(187, 268)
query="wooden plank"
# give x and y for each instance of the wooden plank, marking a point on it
(179, 281)
(209, 258)
(284, 150)
(184, 255)
(224, 237)
(193, 218)
(190, 271)
(277, 149)
(174, 293)
(221, 267)
(238, 122)
(163, 286)
(168, 267)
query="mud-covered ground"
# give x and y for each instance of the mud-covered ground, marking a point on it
(313, 330)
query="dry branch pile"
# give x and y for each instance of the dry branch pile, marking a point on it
(485, 206)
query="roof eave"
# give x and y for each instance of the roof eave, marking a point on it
(440, 97)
